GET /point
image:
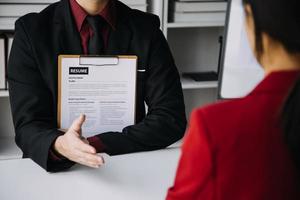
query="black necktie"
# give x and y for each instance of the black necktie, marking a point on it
(96, 43)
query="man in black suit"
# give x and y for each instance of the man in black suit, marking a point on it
(73, 27)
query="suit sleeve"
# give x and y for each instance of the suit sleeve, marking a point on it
(194, 178)
(32, 104)
(165, 122)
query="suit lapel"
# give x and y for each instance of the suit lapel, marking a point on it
(119, 41)
(120, 38)
(68, 36)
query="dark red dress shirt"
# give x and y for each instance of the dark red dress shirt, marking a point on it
(79, 14)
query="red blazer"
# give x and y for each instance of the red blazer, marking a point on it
(234, 150)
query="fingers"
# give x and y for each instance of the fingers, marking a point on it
(90, 160)
(84, 154)
(77, 123)
(81, 146)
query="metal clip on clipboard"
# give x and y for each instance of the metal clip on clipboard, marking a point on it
(98, 60)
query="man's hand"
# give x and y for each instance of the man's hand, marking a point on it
(73, 147)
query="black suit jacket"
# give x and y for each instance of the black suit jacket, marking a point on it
(32, 75)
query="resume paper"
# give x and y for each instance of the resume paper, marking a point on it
(102, 88)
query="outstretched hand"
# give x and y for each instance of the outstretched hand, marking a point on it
(72, 146)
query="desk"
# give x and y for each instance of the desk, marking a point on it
(139, 176)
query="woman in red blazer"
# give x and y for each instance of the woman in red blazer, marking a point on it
(249, 149)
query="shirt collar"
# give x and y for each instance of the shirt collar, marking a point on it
(108, 14)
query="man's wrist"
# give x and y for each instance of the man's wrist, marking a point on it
(54, 151)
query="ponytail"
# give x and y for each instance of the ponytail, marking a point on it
(291, 123)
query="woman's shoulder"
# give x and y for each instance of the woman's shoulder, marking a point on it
(223, 118)
(220, 108)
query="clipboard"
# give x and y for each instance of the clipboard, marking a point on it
(101, 87)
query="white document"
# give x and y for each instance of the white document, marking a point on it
(102, 88)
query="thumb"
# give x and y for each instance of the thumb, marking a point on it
(77, 123)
